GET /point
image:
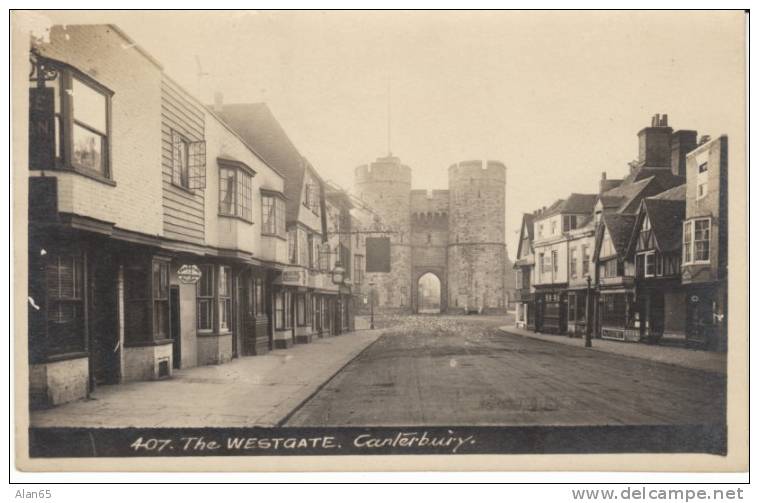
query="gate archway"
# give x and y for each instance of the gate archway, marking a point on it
(429, 294)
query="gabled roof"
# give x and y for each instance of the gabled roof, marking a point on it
(528, 225)
(666, 216)
(619, 226)
(676, 193)
(256, 124)
(626, 197)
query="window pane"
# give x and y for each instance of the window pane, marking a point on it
(226, 191)
(88, 148)
(205, 314)
(89, 106)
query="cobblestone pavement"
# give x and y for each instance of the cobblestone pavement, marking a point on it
(448, 370)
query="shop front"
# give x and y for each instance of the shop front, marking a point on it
(290, 285)
(577, 311)
(551, 310)
(617, 315)
(706, 315)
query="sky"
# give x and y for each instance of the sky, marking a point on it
(556, 96)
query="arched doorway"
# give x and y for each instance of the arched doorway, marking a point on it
(428, 294)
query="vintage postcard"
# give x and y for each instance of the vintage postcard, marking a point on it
(379, 240)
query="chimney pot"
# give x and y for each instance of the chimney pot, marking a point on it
(664, 120)
(603, 175)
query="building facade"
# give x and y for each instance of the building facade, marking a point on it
(704, 230)
(159, 236)
(447, 241)
(648, 259)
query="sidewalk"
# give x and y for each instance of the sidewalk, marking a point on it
(249, 391)
(708, 361)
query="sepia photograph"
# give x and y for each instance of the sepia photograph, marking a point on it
(388, 239)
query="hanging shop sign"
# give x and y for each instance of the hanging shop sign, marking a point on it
(189, 274)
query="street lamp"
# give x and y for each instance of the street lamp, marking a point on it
(588, 342)
(338, 274)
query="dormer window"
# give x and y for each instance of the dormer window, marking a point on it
(569, 222)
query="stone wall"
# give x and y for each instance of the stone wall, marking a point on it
(477, 249)
(385, 185)
(55, 383)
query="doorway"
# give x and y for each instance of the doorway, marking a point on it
(428, 294)
(104, 334)
(176, 328)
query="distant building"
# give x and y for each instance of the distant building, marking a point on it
(455, 235)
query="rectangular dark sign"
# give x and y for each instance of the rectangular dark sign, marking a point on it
(377, 254)
(291, 441)
(41, 128)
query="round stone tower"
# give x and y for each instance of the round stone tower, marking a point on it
(385, 185)
(477, 236)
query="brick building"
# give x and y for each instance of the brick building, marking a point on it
(451, 242)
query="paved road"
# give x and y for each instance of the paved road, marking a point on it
(461, 371)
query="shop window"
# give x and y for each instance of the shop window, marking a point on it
(279, 310)
(205, 296)
(288, 309)
(259, 296)
(225, 299)
(65, 304)
(571, 307)
(300, 310)
(146, 300)
(235, 190)
(161, 299)
(69, 120)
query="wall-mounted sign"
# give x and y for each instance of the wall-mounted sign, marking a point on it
(189, 274)
(292, 277)
(694, 298)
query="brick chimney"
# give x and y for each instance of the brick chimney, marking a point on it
(654, 143)
(683, 141)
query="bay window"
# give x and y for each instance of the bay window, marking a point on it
(273, 215)
(69, 120)
(235, 189)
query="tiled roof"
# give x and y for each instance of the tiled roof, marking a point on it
(676, 193)
(256, 124)
(620, 227)
(579, 203)
(666, 216)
